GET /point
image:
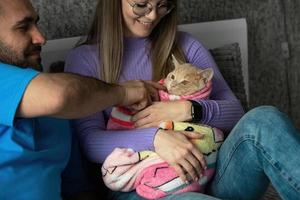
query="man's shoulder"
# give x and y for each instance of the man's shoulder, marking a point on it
(12, 69)
(13, 83)
(13, 75)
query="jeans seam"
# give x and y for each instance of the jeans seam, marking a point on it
(290, 181)
(219, 174)
(265, 155)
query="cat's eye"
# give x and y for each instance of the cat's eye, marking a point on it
(184, 82)
(172, 77)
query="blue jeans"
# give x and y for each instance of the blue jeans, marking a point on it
(264, 146)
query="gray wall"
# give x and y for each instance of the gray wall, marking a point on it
(64, 18)
(274, 73)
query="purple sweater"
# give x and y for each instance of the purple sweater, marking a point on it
(222, 111)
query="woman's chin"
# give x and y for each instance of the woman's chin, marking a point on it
(142, 34)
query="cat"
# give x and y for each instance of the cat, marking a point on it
(187, 79)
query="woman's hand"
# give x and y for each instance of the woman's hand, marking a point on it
(159, 112)
(176, 148)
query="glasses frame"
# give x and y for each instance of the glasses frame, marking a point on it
(150, 8)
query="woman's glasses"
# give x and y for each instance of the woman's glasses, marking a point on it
(144, 8)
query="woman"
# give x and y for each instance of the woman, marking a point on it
(134, 40)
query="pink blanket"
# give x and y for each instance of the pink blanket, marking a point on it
(202, 94)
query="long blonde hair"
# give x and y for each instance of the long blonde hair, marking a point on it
(107, 33)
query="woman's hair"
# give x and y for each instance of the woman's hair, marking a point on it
(107, 33)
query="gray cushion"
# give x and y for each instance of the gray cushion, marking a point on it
(228, 59)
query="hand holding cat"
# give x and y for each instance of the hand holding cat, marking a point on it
(159, 112)
(176, 149)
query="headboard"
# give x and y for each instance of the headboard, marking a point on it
(211, 34)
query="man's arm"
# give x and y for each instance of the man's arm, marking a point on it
(70, 96)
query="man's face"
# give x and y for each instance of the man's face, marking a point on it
(20, 38)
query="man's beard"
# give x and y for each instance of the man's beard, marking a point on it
(9, 56)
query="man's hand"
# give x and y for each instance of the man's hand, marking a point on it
(139, 94)
(71, 96)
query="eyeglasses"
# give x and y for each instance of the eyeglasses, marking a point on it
(144, 8)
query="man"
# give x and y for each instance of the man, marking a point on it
(34, 151)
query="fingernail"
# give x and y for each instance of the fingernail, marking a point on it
(187, 182)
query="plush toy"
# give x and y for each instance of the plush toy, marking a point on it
(160, 180)
(152, 178)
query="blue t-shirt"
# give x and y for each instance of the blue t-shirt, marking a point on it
(33, 152)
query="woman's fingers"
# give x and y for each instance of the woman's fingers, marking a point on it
(196, 166)
(141, 115)
(196, 162)
(181, 173)
(200, 158)
(176, 148)
(196, 153)
(189, 168)
(143, 122)
(192, 135)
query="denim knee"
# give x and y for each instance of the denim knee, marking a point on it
(264, 113)
(266, 121)
(266, 142)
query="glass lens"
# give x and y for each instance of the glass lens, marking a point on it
(142, 9)
(165, 8)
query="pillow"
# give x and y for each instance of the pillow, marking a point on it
(228, 59)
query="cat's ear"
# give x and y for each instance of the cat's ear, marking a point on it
(175, 61)
(207, 74)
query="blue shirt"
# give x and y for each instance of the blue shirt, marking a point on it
(33, 152)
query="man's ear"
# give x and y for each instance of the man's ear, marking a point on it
(207, 74)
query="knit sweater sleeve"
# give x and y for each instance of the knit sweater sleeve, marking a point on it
(96, 141)
(223, 109)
